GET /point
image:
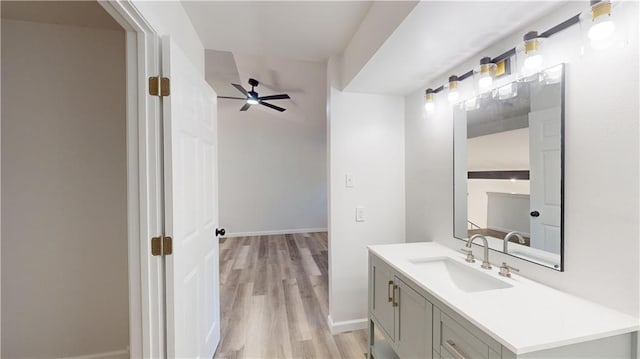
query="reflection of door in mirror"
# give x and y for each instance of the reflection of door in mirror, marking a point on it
(545, 161)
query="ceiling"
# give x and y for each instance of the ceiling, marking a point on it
(438, 35)
(73, 13)
(299, 30)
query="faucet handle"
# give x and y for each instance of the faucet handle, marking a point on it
(505, 270)
(470, 258)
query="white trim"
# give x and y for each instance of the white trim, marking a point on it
(346, 325)
(117, 354)
(146, 307)
(276, 232)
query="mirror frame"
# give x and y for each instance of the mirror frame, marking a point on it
(562, 166)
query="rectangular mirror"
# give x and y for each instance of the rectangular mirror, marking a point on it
(509, 166)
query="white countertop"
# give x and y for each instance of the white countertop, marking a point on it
(525, 318)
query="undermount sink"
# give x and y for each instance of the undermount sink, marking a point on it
(458, 274)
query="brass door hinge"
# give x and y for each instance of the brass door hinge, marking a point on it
(159, 86)
(161, 246)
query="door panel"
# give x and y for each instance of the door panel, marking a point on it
(381, 306)
(545, 177)
(414, 318)
(192, 279)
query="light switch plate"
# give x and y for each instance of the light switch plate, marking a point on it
(348, 180)
(359, 214)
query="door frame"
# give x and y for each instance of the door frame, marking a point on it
(144, 182)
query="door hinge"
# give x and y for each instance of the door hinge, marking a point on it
(161, 246)
(159, 86)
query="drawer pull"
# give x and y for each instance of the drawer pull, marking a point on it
(454, 348)
(395, 304)
(389, 291)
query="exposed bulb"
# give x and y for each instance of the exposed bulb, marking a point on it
(485, 82)
(533, 62)
(429, 106)
(453, 96)
(601, 30)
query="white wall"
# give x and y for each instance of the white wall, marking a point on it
(273, 176)
(601, 170)
(380, 22)
(170, 18)
(487, 153)
(64, 213)
(477, 199)
(367, 141)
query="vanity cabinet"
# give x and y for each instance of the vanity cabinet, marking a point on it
(401, 314)
(381, 289)
(457, 342)
(413, 327)
(406, 321)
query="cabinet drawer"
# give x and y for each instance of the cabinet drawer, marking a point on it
(457, 342)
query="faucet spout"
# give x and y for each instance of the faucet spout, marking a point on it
(485, 261)
(505, 248)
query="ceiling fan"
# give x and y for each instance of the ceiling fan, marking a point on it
(252, 98)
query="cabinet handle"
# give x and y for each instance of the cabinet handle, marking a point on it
(395, 304)
(456, 352)
(389, 291)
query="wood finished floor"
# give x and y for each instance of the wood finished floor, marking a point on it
(274, 300)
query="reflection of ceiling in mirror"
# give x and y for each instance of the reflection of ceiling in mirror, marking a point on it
(499, 151)
(497, 115)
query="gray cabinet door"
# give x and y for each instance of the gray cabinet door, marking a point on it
(413, 323)
(381, 296)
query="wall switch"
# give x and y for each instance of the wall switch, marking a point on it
(348, 180)
(359, 214)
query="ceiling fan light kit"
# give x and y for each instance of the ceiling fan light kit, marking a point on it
(253, 98)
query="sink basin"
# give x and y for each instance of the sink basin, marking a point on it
(458, 275)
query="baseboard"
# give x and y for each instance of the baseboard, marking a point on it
(117, 354)
(271, 233)
(346, 325)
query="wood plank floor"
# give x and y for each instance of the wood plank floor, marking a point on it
(274, 300)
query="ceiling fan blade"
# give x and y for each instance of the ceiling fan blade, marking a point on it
(233, 98)
(283, 96)
(245, 107)
(241, 89)
(273, 106)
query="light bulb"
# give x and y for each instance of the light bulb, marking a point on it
(533, 62)
(453, 95)
(429, 106)
(428, 95)
(486, 72)
(533, 59)
(601, 30)
(252, 101)
(602, 27)
(485, 81)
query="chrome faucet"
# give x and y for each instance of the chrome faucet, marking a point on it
(485, 261)
(506, 240)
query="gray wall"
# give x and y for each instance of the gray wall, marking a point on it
(601, 171)
(64, 218)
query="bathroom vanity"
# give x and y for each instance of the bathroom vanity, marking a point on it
(425, 301)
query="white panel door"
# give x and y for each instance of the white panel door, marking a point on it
(191, 209)
(545, 142)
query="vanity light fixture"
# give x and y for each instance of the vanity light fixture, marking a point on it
(533, 59)
(453, 95)
(602, 26)
(486, 72)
